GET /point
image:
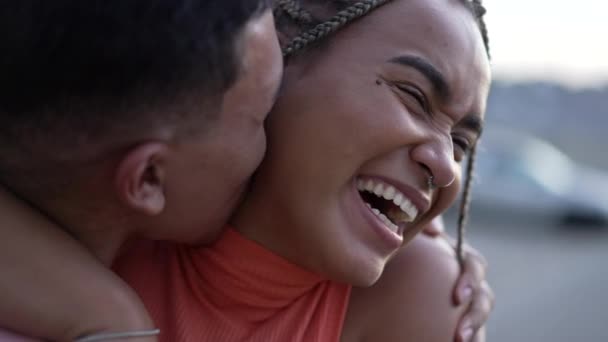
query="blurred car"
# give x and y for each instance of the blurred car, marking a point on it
(517, 174)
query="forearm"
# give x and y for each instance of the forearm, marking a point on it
(53, 287)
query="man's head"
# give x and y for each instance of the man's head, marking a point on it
(155, 105)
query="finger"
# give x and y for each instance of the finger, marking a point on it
(472, 275)
(469, 250)
(464, 291)
(465, 331)
(435, 228)
(477, 315)
(480, 336)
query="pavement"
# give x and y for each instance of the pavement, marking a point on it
(550, 281)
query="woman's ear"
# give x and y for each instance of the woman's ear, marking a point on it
(140, 178)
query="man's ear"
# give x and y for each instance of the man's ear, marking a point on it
(140, 178)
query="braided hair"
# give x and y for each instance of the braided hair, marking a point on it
(310, 30)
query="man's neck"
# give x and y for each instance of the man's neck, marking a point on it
(104, 244)
(32, 229)
(97, 229)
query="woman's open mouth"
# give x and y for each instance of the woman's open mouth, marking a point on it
(390, 205)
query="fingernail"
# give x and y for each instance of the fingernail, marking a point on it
(466, 334)
(466, 293)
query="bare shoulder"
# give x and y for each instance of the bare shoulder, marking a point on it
(412, 301)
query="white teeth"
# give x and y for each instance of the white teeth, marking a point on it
(378, 189)
(388, 192)
(398, 199)
(369, 186)
(388, 223)
(393, 227)
(408, 208)
(360, 184)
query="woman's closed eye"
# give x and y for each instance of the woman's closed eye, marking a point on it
(409, 93)
(414, 93)
(462, 147)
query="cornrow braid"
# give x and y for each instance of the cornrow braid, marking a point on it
(330, 26)
(465, 203)
(295, 12)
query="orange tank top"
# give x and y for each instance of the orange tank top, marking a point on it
(233, 291)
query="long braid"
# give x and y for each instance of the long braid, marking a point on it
(330, 26)
(478, 11)
(465, 203)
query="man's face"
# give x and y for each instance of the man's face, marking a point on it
(211, 172)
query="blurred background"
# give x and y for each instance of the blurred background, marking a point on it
(540, 205)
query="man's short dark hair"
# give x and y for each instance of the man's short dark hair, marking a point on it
(83, 65)
(59, 48)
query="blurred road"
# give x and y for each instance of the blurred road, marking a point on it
(551, 282)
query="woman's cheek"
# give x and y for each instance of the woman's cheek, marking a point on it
(447, 197)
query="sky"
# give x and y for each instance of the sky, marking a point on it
(556, 40)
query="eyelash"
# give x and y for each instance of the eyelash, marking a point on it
(416, 94)
(463, 144)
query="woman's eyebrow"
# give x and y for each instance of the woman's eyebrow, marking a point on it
(435, 77)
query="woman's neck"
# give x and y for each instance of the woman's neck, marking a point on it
(261, 220)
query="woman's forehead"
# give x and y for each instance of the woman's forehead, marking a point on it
(442, 33)
(419, 23)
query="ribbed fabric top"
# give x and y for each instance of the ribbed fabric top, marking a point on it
(233, 291)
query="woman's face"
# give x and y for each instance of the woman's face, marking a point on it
(363, 122)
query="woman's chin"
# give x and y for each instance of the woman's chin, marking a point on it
(366, 275)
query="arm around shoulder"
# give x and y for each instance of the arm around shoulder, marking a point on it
(53, 287)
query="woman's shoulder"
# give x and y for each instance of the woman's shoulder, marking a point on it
(412, 300)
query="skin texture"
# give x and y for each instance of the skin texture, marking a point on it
(54, 269)
(303, 204)
(407, 309)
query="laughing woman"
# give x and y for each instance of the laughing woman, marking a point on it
(365, 144)
(382, 102)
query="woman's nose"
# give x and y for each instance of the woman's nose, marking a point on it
(437, 158)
